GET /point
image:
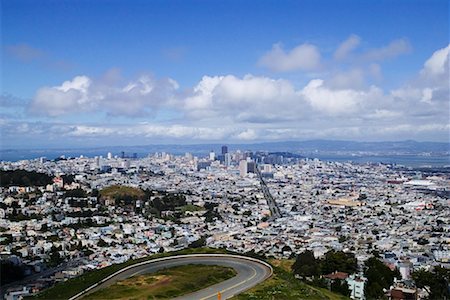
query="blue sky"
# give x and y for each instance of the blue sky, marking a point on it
(142, 72)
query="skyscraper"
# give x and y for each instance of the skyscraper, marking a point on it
(243, 168)
(227, 159)
(224, 150)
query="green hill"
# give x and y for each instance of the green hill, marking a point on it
(121, 193)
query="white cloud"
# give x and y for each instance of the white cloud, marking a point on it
(304, 57)
(248, 134)
(427, 95)
(248, 98)
(438, 63)
(353, 78)
(384, 114)
(346, 47)
(83, 94)
(395, 48)
(338, 102)
(70, 96)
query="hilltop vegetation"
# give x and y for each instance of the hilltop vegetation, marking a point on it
(23, 178)
(121, 193)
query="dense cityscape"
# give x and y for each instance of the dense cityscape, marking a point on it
(87, 213)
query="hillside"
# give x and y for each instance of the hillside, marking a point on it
(120, 192)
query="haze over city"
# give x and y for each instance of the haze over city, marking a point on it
(87, 73)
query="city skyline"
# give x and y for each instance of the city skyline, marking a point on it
(113, 73)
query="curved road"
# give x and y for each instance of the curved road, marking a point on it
(250, 272)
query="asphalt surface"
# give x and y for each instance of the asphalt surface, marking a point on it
(249, 274)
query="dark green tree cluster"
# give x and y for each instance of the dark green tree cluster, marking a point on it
(211, 212)
(378, 276)
(339, 261)
(75, 193)
(23, 178)
(341, 287)
(307, 266)
(201, 242)
(68, 179)
(54, 257)
(435, 282)
(9, 272)
(168, 202)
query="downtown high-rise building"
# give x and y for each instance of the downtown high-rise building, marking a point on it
(224, 149)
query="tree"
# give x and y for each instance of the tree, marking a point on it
(54, 258)
(434, 282)
(201, 242)
(102, 243)
(378, 276)
(75, 193)
(339, 261)
(10, 272)
(286, 248)
(340, 286)
(306, 265)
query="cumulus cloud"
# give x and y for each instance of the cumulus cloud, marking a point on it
(83, 94)
(438, 63)
(429, 92)
(354, 78)
(243, 99)
(347, 46)
(305, 57)
(338, 102)
(249, 134)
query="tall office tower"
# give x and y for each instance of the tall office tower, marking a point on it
(251, 167)
(97, 161)
(224, 150)
(227, 159)
(122, 154)
(243, 168)
(212, 155)
(188, 156)
(110, 155)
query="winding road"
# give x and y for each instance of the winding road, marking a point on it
(249, 271)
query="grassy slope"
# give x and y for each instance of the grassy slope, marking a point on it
(121, 191)
(165, 284)
(282, 285)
